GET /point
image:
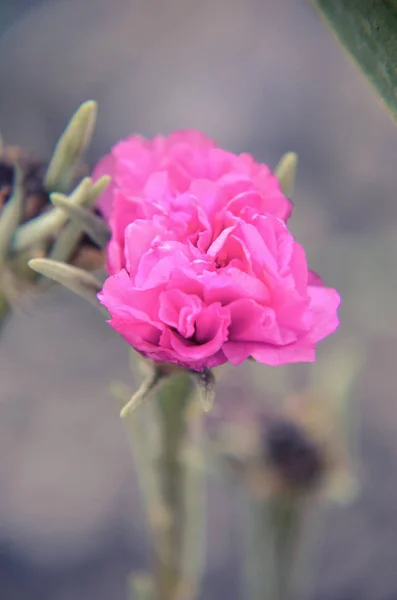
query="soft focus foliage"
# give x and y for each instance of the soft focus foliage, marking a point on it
(368, 31)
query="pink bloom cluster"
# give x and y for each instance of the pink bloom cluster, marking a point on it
(203, 268)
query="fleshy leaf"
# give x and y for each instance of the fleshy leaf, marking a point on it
(49, 223)
(147, 386)
(84, 220)
(77, 280)
(70, 148)
(71, 235)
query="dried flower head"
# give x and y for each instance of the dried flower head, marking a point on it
(290, 452)
(300, 449)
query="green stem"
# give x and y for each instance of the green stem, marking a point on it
(271, 535)
(259, 560)
(172, 403)
(286, 514)
(194, 531)
(315, 519)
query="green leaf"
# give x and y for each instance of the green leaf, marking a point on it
(147, 386)
(47, 224)
(368, 31)
(77, 280)
(50, 223)
(70, 148)
(84, 220)
(72, 233)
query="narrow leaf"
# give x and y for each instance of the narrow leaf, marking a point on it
(143, 392)
(71, 147)
(48, 223)
(82, 283)
(98, 188)
(84, 220)
(72, 233)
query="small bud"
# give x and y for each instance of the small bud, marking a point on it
(206, 384)
(286, 172)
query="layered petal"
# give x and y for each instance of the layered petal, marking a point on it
(203, 268)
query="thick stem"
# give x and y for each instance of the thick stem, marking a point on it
(258, 560)
(194, 531)
(286, 514)
(172, 401)
(271, 535)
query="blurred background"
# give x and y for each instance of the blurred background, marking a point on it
(260, 76)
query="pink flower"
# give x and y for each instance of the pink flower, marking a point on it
(203, 269)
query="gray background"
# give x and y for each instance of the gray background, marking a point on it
(260, 76)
